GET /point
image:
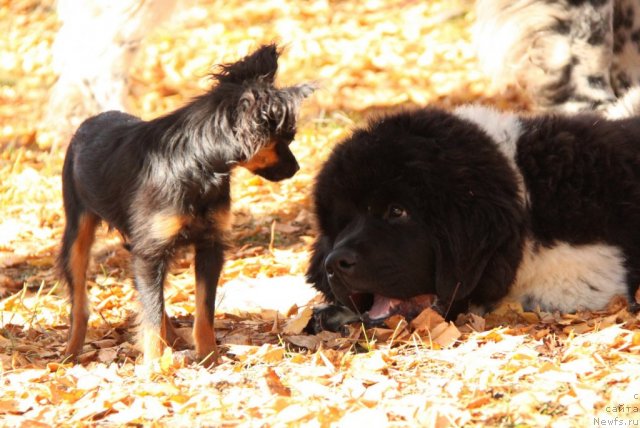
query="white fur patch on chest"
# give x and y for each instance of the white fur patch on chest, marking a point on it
(568, 278)
(503, 128)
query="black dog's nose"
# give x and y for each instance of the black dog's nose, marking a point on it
(341, 260)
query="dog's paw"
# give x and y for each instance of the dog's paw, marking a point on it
(332, 318)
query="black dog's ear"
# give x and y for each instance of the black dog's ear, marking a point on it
(478, 244)
(316, 274)
(261, 64)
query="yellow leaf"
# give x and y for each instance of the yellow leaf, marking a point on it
(493, 336)
(270, 354)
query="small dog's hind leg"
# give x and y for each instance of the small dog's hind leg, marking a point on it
(78, 237)
(172, 338)
(209, 261)
(149, 274)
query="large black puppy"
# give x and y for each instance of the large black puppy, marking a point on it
(165, 183)
(476, 206)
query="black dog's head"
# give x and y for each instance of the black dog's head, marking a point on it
(261, 117)
(417, 203)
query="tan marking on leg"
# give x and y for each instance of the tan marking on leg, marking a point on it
(222, 219)
(204, 335)
(166, 226)
(78, 263)
(171, 336)
(153, 343)
(264, 158)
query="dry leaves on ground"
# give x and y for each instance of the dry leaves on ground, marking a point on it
(507, 368)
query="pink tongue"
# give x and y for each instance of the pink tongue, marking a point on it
(382, 306)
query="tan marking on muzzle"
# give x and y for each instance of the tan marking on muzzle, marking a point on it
(264, 158)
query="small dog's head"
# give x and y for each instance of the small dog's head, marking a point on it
(262, 117)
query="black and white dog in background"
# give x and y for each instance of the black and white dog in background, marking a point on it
(568, 55)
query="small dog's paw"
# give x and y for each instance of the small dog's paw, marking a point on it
(185, 357)
(331, 318)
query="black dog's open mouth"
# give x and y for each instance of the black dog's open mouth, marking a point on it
(370, 309)
(375, 308)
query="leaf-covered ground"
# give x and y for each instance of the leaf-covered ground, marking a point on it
(510, 368)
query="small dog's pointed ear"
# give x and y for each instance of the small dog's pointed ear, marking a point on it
(262, 64)
(300, 92)
(284, 112)
(262, 111)
(294, 95)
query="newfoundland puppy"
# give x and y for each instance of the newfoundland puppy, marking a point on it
(476, 206)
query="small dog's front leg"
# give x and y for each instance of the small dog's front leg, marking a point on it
(149, 274)
(209, 261)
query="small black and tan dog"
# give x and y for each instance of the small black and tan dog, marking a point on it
(164, 183)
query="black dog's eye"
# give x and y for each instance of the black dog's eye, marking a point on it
(396, 212)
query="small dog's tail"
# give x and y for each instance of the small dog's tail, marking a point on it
(262, 64)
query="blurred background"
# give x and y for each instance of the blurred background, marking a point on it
(365, 54)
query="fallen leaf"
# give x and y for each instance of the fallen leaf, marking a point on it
(426, 320)
(11, 406)
(445, 334)
(104, 343)
(274, 383)
(380, 334)
(395, 321)
(270, 354)
(107, 355)
(311, 343)
(479, 402)
(298, 323)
